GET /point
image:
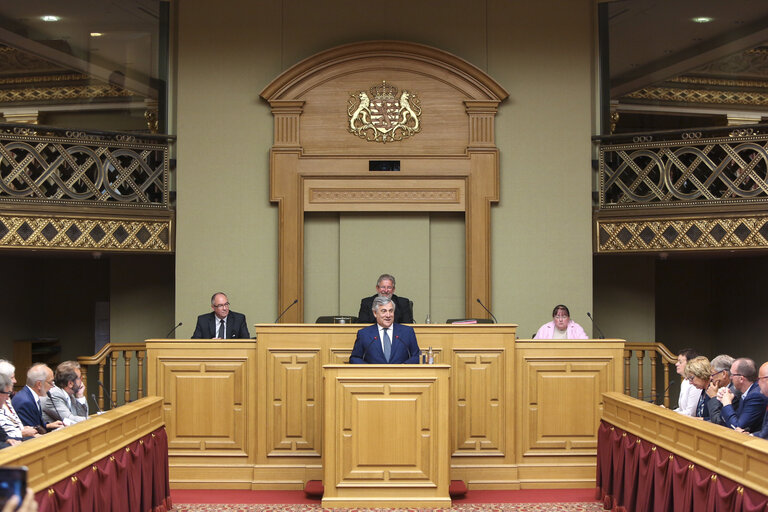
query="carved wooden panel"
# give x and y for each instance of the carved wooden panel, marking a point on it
(294, 412)
(204, 404)
(388, 429)
(386, 442)
(478, 388)
(562, 404)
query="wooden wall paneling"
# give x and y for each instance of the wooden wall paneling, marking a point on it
(209, 405)
(511, 404)
(560, 385)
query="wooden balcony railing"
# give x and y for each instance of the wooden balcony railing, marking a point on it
(659, 359)
(112, 360)
(691, 190)
(85, 190)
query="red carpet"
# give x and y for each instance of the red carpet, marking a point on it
(550, 499)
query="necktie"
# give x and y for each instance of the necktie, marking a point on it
(221, 329)
(387, 344)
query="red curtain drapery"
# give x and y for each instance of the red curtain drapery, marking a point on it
(133, 478)
(634, 475)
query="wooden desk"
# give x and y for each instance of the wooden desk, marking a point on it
(119, 457)
(386, 436)
(722, 451)
(523, 414)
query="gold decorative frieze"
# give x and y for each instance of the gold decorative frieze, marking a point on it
(682, 233)
(384, 196)
(370, 195)
(717, 97)
(67, 77)
(383, 114)
(720, 82)
(85, 233)
(73, 92)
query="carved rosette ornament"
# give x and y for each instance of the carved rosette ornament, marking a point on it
(383, 115)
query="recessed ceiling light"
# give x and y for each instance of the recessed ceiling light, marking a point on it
(702, 19)
(96, 34)
(50, 17)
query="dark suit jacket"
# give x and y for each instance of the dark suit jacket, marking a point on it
(714, 408)
(750, 411)
(403, 311)
(236, 326)
(763, 431)
(26, 407)
(367, 349)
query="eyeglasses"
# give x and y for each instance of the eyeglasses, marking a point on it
(218, 306)
(5, 392)
(560, 317)
(718, 373)
(761, 378)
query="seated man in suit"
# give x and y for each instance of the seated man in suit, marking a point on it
(386, 341)
(748, 415)
(27, 400)
(762, 382)
(221, 323)
(385, 287)
(66, 400)
(720, 378)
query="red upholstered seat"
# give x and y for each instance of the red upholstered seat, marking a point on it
(314, 489)
(457, 489)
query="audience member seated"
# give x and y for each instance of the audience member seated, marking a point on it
(385, 287)
(748, 415)
(698, 372)
(762, 382)
(221, 323)
(9, 419)
(721, 378)
(6, 387)
(386, 342)
(27, 401)
(561, 327)
(66, 400)
(689, 395)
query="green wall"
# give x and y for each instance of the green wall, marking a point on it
(542, 53)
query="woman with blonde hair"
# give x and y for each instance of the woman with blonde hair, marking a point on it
(698, 371)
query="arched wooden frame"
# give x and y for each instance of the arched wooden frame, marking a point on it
(317, 164)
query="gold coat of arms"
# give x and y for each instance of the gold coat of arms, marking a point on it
(384, 115)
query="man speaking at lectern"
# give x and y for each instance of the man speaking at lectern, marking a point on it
(385, 342)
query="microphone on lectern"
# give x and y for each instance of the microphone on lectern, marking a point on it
(286, 310)
(488, 310)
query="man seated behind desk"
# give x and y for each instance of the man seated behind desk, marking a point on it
(66, 400)
(27, 400)
(385, 287)
(221, 323)
(385, 341)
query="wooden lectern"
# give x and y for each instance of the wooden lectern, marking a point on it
(386, 436)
